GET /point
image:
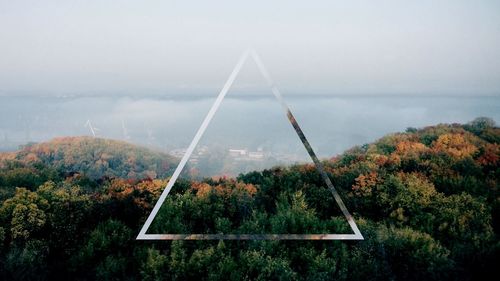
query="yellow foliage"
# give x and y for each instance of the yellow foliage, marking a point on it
(226, 189)
(455, 145)
(406, 148)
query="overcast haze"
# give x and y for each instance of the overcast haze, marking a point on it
(181, 47)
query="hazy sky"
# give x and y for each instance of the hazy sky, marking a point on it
(338, 47)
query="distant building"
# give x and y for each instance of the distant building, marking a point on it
(245, 155)
(237, 152)
(179, 153)
(256, 155)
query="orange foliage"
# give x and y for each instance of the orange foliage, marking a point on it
(394, 160)
(5, 157)
(155, 187)
(226, 189)
(364, 184)
(380, 159)
(96, 158)
(202, 189)
(491, 154)
(406, 148)
(455, 145)
(121, 189)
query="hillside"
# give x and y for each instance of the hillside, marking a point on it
(95, 158)
(427, 202)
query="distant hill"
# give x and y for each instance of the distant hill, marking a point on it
(95, 158)
(427, 202)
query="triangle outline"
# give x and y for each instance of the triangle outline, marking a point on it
(319, 167)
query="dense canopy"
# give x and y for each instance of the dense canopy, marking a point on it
(427, 202)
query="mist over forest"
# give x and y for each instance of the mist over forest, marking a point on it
(101, 99)
(331, 123)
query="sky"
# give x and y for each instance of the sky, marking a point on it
(310, 47)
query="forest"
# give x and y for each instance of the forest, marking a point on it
(426, 200)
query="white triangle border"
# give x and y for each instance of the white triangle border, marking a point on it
(319, 166)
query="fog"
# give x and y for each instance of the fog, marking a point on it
(332, 124)
(148, 71)
(103, 47)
